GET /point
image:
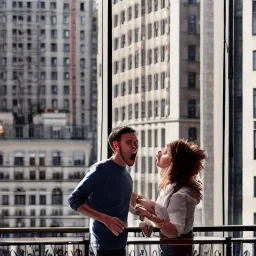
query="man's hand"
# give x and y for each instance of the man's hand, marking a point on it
(115, 225)
(142, 212)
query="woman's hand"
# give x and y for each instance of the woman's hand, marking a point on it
(148, 205)
(140, 210)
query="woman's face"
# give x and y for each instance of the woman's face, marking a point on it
(163, 159)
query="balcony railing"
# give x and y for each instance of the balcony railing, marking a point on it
(59, 241)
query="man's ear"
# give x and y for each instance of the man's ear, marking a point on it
(115, 145)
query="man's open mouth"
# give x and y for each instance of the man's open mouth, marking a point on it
(133, 156)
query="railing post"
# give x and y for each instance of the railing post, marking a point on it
(228, 246)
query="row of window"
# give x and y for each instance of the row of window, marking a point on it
(148, 110)
(148, 33)
(57, 156)
(43, 77)
(57, 199)
(164, 57)
(53, 35)
(40, 4)
(151, 82)
(66, 48)
(128, 63)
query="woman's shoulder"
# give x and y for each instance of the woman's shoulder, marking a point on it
(188, 194)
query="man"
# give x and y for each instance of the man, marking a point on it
(105, 194)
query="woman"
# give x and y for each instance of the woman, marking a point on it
(180, 192)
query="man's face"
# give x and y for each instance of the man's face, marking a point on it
(128, 147)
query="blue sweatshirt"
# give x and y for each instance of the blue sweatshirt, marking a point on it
(107, 188)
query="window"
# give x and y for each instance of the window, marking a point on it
(156, 5)
(20, 199)
(53, 20)
(56, 158)
(123, 89)
(254, 59)
(143, 139)
(116, 43)
(66, 6)
(32, 159)
(130, 111)
(116, 90)
(66, 62)
(116, 64)
(32, 199)
(155, 55)
(79, 158)
(19, 161)
(162, 27)
(122, 17)
(81, 7)
(130, 86)
(192, 133)
(156, 29)
(53, 61)
(116, 114)
(149, 6)
(143, 110)
(1, 158)
(156, 138)
(156, 108)
(54, 75)
(191, 52)
(163, 138)
(191, 108)
(192, 1)
(66, 48)
(136, 35)
(163, 107)
(192, 80)
(66, 20)
(162, 4)
(41, 159)
(254, 102)
(82, 21)
(155, 81)
(150, 109)
(123, 65)
(53, 5)
(5, 199)
(123, 113)
(130, 62)
(162, 80)
(82, 37)
(54, 47)
(54, 90)
(66, 90)
(149, 31)
(66, 76)
(149, 57)
(136, 89)
(130, 13)
(129, 37)
(150, 164)
(66, 34)
(32, 175)
(42, 200)
(254, 17)
(57, 196)
(150, 139)
(143, 170)
(136, 59)
(115, 20)
(136, 110)
(136, 9)
(149, 82)
(192, 24)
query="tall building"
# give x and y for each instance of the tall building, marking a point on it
(231, 74)
(48, 108)
(155, 77)
(48, 53)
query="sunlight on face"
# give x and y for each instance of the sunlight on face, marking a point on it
(163, 158)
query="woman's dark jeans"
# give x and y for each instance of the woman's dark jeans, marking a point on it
(177, 250)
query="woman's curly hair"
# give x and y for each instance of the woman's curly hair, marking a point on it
(187, 161)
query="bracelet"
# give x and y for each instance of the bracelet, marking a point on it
(161, 224)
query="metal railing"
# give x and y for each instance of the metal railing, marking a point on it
(75, 241)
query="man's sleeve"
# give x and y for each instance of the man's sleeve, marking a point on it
(85, 188)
